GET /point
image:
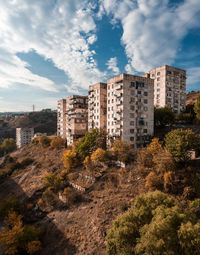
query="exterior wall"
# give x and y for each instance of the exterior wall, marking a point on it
(97, 106)
(61, 118)
(169, 87)
(24, 136)
(76, 117)
(130, 113)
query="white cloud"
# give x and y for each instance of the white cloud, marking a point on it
(152, 32)
(112, 65)
(193, 75)
(61, 31)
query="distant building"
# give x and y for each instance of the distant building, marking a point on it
(24, 136)
(130, 109)
(97, 106)
(38, 135)
(76, 117)
(169, 87)
(61, 118)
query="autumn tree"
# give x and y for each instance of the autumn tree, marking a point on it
(44, 141)
(98, 155)
(57, 143)
(8, 145)
(70, 159)
(122, 150)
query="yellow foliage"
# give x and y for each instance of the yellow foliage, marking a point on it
(153, 181)
(98, 155)
(155, 147)
(33, 247)
(57, 143)
(69, 159)
(29, 206)
(88, 163)
(168, 181)
(122, 150)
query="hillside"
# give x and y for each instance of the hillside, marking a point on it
(191, 97)
(81, 228)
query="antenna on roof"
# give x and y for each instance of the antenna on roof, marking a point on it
(33, 107)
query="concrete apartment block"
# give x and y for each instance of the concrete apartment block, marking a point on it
(61, 118)
(169, 87)
(97, 106)
(24, 136)
(76, 117)
(130, 109)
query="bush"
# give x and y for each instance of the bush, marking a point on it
(197, 107)
(155, 224)
(180, 142)
(24, 162)
(44, 141)
(57, 143)
(154, 181)
(8, 145)
(71, 196)
(8, 204)
(98, 156)
(16, 238)
(70, 159)
(169, 181)
(122, 150)
(49, 197)
(88, 163)
(52, 181)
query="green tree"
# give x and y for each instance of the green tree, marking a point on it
(8, 145)
(155, 224)
(180, 142)
(197, 107)
(163, 116)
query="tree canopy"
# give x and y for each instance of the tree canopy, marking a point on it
(163, 116)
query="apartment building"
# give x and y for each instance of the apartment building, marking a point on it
(97, 106)
(76, 117)
(169, 87)
(61, 118)
(24, 136)
(130, 109)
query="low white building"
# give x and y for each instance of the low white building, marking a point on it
(24, 136)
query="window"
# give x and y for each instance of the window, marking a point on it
(139, 92)
(132, 84)
(145, 93)
(132, 131)
(132, 107)
(108, 94)
(158, 73)
(145, 131)
(112, 100)
(145, 101)
(108, 108)
(158, 84)
(108, 101)
(112, 86)
(132, 92)
(145, 109)
(158, 90)
(131, 138)
(108, 86)
(153, 75)
(131, 115)
(132, 100)
(158, 79)
(132, 123)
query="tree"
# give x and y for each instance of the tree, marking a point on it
(70, 159)
(57, 142)
(180, 142)
(92, 140)
(44, 141)
(98, 155)
(8, 145)
(197, 107)
(122, 150)
(155, 224)
(163, 116)
(16, 237)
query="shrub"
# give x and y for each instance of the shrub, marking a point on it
(122, 150)
(70, 159)
(16, 237)
(98, 155)
(88, 163)
(57, 143)
(154, 181)
(8, 145)
(71, 196)
(155, 224)
(180, 142)
(35, 141)
(44, 141)
(24, 162)
(49, 197)
(52, 181)
(197, 107)
(7, 205)
(168, 181)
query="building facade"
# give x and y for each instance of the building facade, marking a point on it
(24, 136)
(169, 87)
(61, 118)
(97, 106)
(130, 109)
(76, 117)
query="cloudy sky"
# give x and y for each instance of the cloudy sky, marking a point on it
(50, 49)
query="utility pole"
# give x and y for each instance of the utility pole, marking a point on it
(33, 107)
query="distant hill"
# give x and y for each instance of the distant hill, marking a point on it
(191, 97)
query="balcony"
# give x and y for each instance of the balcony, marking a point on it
(118, 86)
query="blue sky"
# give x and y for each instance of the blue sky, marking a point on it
(54, 48)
